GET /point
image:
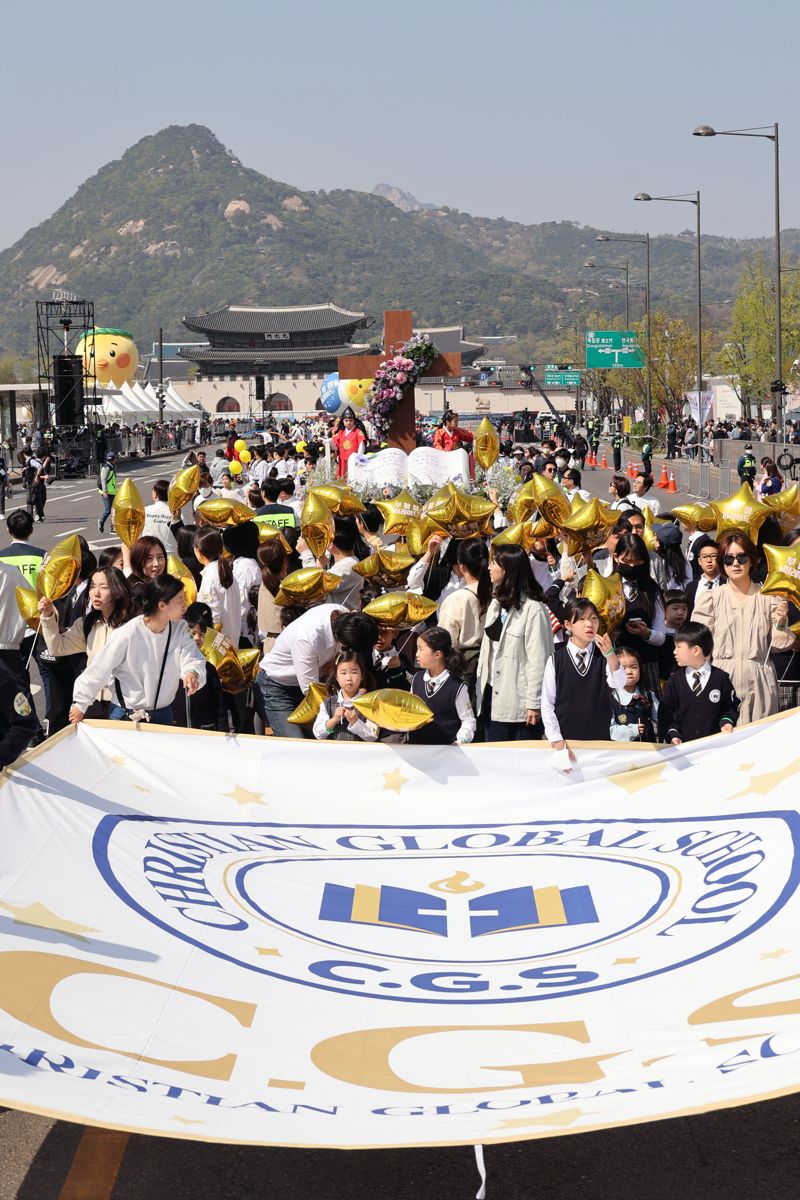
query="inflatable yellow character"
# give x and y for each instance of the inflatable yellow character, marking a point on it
(115, 356)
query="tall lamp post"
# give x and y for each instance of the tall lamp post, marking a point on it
(592, 265)
(645, 241)
(762, 131)
(688, 199)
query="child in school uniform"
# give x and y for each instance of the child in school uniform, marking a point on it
(576, 696)
(699, 698)
(676, 611)
(440, 685)
(337, 719)
(632, 707)
(206, 708)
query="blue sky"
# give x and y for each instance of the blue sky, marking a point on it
(537, 111)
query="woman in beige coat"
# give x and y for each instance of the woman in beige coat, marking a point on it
(517, 642)
(746, 625)
(110, 606)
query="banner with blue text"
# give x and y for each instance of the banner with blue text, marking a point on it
(272, 942)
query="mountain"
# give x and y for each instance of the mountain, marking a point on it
(400, 199)
(178, 224)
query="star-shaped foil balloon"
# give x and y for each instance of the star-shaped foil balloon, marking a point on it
(221, 512)
(696, 516)
(307, 586)
(400, 610)
(587, 526)
(740, 513)
(128, 509)
(486, 446)
(183, 489)
(419, 533)
(651, 523)
(606, 594)
(316, 524)
(459, 514)
(389, 708)
(339, 498)
(398, 512)
(521, 534)
(60, 568)
(386, 567)
(551, 502)
(179, 570)
(786, 507)
(309, 706)
(783, 579)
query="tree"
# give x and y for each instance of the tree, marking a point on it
(673, 350)
(749, 347)
(16, 370)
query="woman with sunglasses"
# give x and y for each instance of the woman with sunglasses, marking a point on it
(746, 626)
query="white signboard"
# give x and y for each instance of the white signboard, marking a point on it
(424, 465)
(405, 945)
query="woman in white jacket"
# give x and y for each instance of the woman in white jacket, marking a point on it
(145, 660)
(110, 607)
(218, 587)
(517, 642)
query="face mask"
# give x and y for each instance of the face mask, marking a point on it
(632, 573)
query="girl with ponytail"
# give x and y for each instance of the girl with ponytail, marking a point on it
(218, 588)
(440, 685)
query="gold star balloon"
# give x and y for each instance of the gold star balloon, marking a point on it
(307, 586)
(521, 534)
(696, 516)
(586, 526)
(551, 502)
(389, 708)
(400, 610)
(386, 567)
(786, 507)
(398, 512)
(651, 523)
(221, 511)
(783, 579)
(339, 498)
(128, 512)
(486, 446)
(419, 533)
(316, 524)
(270, 533)
(249, 661)
(28, 605)
(183, 489)
(740, 513)
(220, 652)
(180, 571)
(309, 706)
(60, 569)
(522, 504)
(460, 515)
(607, 596)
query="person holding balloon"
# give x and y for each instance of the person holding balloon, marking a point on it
(337, 719)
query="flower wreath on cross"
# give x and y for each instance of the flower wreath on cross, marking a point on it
(393, 378)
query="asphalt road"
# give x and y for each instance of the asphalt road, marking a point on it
(731, 1155)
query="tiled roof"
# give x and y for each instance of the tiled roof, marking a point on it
(450, 339)
(205, 354)
(241, 318)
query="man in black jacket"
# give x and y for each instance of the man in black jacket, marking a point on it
(18, 721)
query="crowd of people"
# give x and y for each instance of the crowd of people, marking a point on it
(511, 650)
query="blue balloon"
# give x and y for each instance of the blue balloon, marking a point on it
(329, 393)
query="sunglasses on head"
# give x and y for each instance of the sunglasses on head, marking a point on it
(730, 559)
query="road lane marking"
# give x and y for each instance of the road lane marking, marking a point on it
(94, 1169)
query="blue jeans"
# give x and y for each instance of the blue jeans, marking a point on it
(280, 700)
(158, 716)
(108, 504)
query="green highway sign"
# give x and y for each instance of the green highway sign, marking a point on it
(555, 376)
(608, 349)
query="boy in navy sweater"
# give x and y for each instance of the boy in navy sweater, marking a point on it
(699, 699)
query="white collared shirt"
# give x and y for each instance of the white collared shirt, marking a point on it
(704, 672)
(366, 730)
(552, 729)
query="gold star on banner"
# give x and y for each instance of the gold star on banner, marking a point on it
(243, 796)
(393, 781)
(295, 1084)
(765, 783)
(648, 1062)
(119, 760)
(568, 1117)
(43, 918)
(621, 961)
(636, 779)
(187, 1121)
(775, 954)
(267, 950)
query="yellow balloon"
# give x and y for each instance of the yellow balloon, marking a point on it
(60, 569)
(316, 524)
(607, 596)
(245, 456)
(239, 445)
(183, 489)
(28, 605)
(309, 706)
(786, 507)
(419, 532)
(307, 586)
(386, 567)
(651, 522)
(696, 516)
(222, 511)
(783, 579)
(389, 708)
(221, 653)
(179, 570)
(340, 499)
(235, 467)
(740, 513)
(400, 610)
(587, 526)
(398, 512)
(551, 502)
(521, 534)
(271, 533)
(486, 446)
(249, 661)
(459, 515)
(128, 512)
(109, 357)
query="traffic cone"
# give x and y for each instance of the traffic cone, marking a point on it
(592, 459)
(604, 463)
(664, 480)
(672, 485)
(630, 471)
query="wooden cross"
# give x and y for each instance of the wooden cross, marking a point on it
(398, 325)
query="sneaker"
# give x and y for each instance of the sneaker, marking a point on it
(99, 526)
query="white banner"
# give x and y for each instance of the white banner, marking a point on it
(262, 941)
(700, 407)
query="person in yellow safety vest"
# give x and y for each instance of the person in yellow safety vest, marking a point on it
(20, 553)
(107, 487)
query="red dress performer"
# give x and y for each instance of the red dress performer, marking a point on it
(451, 436)
(348, 441)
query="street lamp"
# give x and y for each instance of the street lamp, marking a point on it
(614, 267)
(687, 198)
(645, 241)
(760, 131)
